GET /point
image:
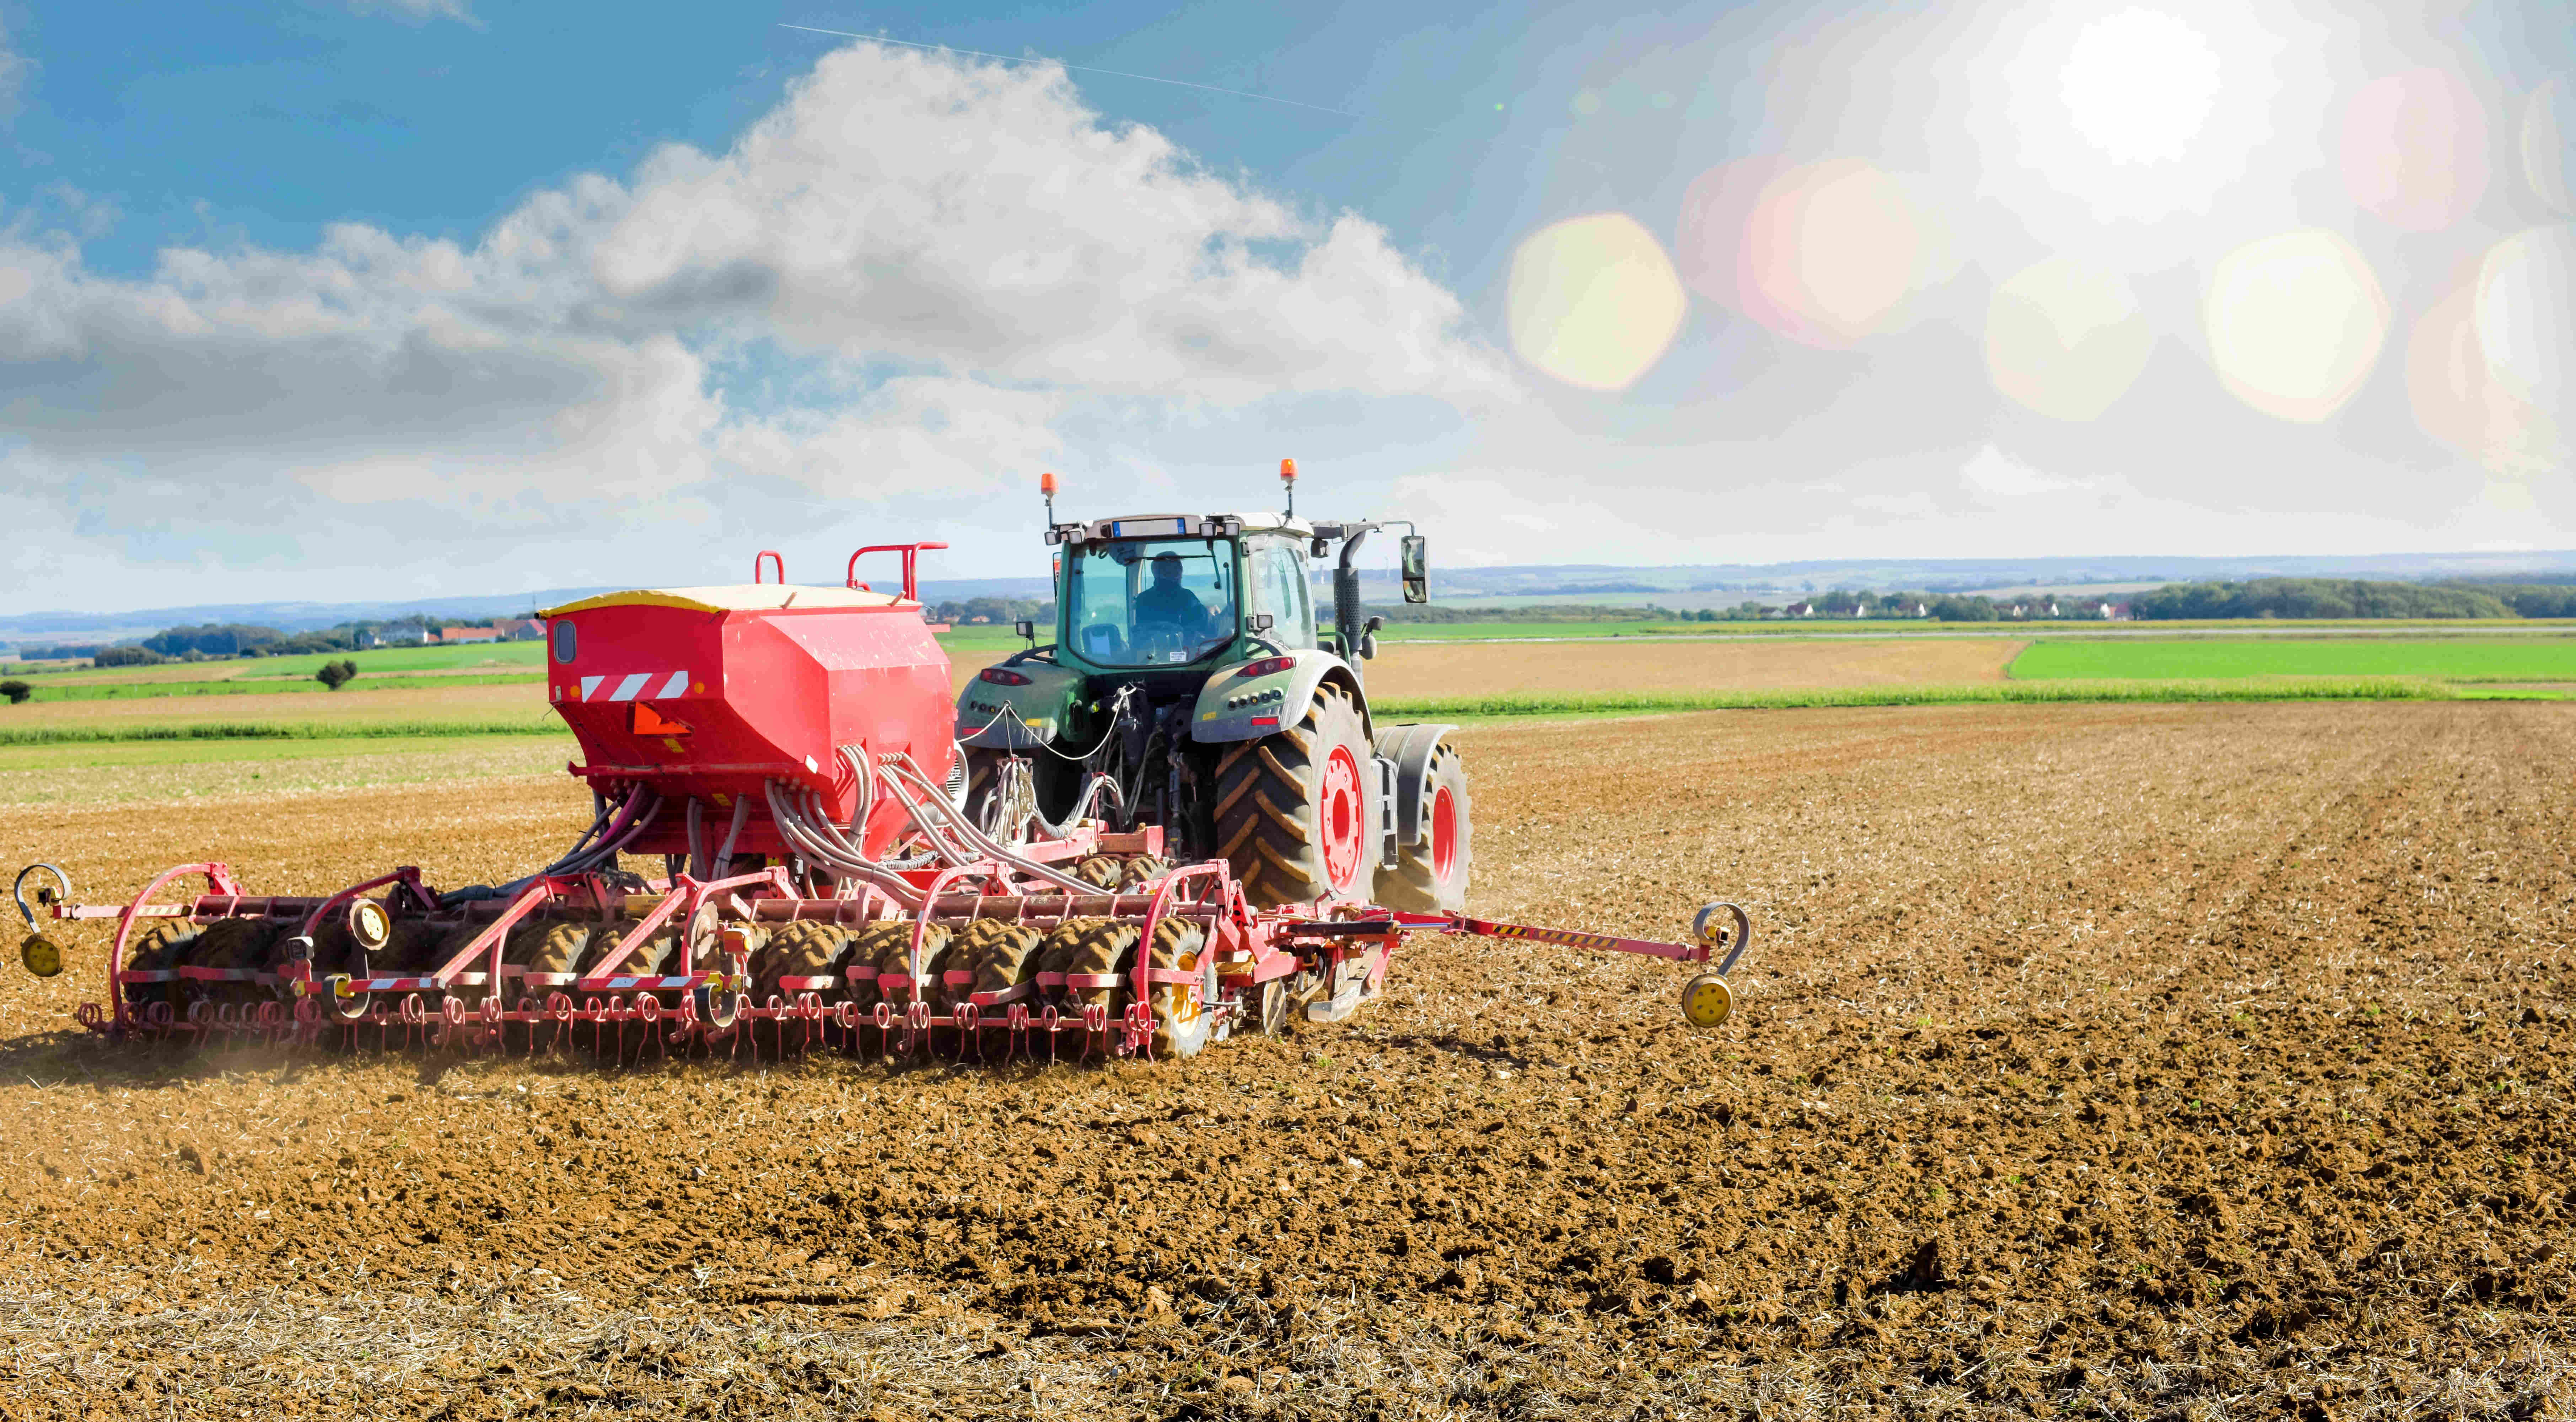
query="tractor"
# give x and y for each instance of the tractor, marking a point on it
(1192, 684)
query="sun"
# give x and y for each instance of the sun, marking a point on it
(2140, 86)
(2115, 114)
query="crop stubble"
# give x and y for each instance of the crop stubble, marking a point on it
(2151, 1060)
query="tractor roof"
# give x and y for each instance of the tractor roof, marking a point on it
(1179, 525)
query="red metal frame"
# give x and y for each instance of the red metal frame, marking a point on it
(911, 555)
(1250, 947)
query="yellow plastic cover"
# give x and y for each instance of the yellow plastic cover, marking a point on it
(737, 597)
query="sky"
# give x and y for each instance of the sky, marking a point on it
(338, 299)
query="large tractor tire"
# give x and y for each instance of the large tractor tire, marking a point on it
(1296, 813)
(983, 777)
(887, 947)
(161, 946)
(234, 943)
(802, 949)
(1182, 1019)
(1001, 954)
(1430, 875)
(559, 950)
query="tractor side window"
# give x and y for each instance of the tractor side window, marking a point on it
(1282, 593)
(1151, 602)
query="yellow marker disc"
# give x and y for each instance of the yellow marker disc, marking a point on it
(369, 924)
(1707, 1001)
(42, 955)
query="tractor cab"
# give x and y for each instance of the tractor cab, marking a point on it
(1160, 595)
(1184, 644)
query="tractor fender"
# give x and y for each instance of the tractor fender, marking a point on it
(1410, 747)
(1235, 707)
(991, 713)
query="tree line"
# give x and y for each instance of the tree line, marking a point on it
(2301, 598)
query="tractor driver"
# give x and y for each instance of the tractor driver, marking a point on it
(1165, 603)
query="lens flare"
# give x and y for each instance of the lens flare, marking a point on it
(2455, 397)
(2415, 149)
(1594, 301)
(2549, 143)
(2526, 316)
(2295, 323)
(1829, 253)
(1708, 246)
(2066, 339)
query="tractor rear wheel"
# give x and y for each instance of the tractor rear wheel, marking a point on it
(1296, 812)
(983, 778)
(1430, 875)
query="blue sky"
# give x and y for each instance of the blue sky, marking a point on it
(417, 296)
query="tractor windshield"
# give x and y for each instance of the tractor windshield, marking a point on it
(1151, 602)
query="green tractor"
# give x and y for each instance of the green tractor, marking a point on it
(1192, 686)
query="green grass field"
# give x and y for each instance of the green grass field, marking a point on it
(257, 686)
(1608, 703)
(2488, 659)
(530, 655)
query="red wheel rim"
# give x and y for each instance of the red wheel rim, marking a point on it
(1444, 835)
(1338, 817)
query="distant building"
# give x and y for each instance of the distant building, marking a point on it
(467, 634)
(520, 629)
(393, 637)
(1800, 609)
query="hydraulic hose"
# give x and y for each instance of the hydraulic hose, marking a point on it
(901, 769)
(724, 855)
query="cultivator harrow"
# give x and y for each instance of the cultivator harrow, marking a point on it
(975, 962)
(782, 756)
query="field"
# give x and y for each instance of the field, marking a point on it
(2093, 1060)
(2471, 659)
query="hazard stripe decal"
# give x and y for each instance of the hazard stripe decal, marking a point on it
(656, 685)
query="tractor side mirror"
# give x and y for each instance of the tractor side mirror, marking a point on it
(1028, 630)
(1259, 622)
(1417, 568)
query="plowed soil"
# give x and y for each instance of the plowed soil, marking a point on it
(2137, 1061)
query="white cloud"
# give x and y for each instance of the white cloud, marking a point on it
(1995, 474)
(15, 70)
(900, 283)
(417, 11)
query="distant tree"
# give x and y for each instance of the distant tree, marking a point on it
(16, 691)
(211, 639)
(2527, 600)
(2313, 598)
(336, 674)
(126, 657)
(1950, 607)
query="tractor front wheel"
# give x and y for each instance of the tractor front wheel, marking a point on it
(1296, 811)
